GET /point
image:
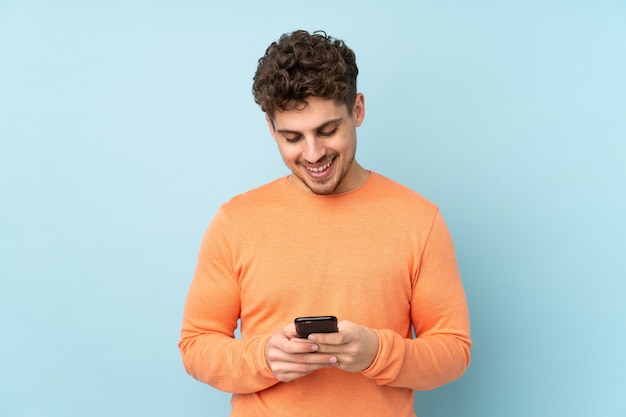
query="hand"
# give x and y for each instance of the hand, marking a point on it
(290, 358)
(354, 346)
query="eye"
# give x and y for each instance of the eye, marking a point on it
(327, 133)
(293, 139)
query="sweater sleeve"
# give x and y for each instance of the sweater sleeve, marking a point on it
(440, 352)
(210, 352)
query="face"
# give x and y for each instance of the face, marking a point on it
(318, 145)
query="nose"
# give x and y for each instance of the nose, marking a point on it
(313, 150)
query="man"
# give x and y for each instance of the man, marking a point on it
(329, 239)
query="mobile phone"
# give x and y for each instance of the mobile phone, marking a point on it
(317, 324)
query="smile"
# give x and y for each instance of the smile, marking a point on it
(322, 168)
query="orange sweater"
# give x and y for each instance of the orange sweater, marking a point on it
(379, 256)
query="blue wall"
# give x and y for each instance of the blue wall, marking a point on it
(123, 126)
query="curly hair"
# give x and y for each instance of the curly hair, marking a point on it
(301, 65)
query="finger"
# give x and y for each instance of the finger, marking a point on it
(290, 331)
(313, 359)
(293, 372)
(344, 325)
(328, 338)
(301, 351)
(300, 364)
(299, 346)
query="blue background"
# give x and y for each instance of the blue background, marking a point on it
(124, 125)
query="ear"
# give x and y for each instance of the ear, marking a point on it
(270, 124)
(358, 111)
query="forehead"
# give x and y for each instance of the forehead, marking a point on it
(316, 113)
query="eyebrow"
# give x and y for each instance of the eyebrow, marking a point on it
(317, 129)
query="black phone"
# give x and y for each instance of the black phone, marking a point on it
(317, 324)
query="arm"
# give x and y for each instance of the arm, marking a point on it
(208, 346)
(440, 353)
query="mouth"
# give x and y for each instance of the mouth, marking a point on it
(323, 171)
(322, 168)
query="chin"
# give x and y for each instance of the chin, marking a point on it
(325, 188)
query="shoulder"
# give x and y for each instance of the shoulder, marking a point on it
(393, 191)
(251, 201)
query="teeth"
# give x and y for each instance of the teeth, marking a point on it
(320, 169)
